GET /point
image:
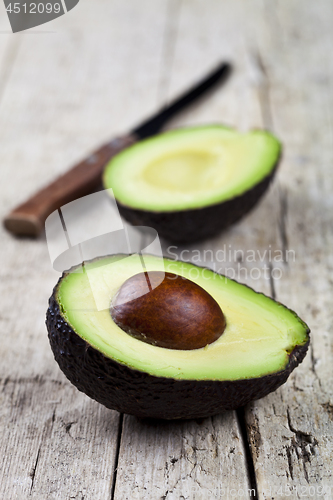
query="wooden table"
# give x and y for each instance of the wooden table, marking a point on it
(69, 85)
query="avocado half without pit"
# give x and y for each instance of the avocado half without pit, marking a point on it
(190, 343)
(191, 183)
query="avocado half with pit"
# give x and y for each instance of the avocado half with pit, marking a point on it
(191, 183)
(259, 343)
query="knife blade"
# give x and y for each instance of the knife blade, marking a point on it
(29, 218)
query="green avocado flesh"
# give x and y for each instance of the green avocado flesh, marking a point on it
(191, 168)
(259, 336)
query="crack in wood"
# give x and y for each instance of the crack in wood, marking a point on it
(5, 382)
(191, 474)
(271, 281)
(169, 42)
(303, 444)
(116, 461)
(47, 429)
(37, 379)
(68, 427)
(328, 407)
(283, 201)
(214, 439)
(290, 464)
(244, 433)
(33, 472)
(78, 496)
(295, 387)
(173, 460)
(313, 365)
(263, 90)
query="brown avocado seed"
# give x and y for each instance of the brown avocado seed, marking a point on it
(167, 310)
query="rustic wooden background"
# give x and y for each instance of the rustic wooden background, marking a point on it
(67, 86)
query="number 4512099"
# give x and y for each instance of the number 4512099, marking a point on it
(33, 8)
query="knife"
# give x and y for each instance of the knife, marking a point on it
(29, 218)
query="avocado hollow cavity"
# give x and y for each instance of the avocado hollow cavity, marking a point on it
(262, 343)
(167, 310)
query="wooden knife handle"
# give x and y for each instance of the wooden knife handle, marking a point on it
(29, 218)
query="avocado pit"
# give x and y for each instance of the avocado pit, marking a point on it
(167, 310)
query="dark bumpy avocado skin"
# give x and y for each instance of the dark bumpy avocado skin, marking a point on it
(186, 226)
(127, 390)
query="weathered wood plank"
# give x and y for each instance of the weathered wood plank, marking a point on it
(55, 442)
(66, 92)
(188, 460)
(159, 460)
(291, 431)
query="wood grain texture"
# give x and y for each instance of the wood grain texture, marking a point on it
(55, 442)
(65, 92)
(154, 475)
(110, 67)
(189, 460)
(291, 431)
